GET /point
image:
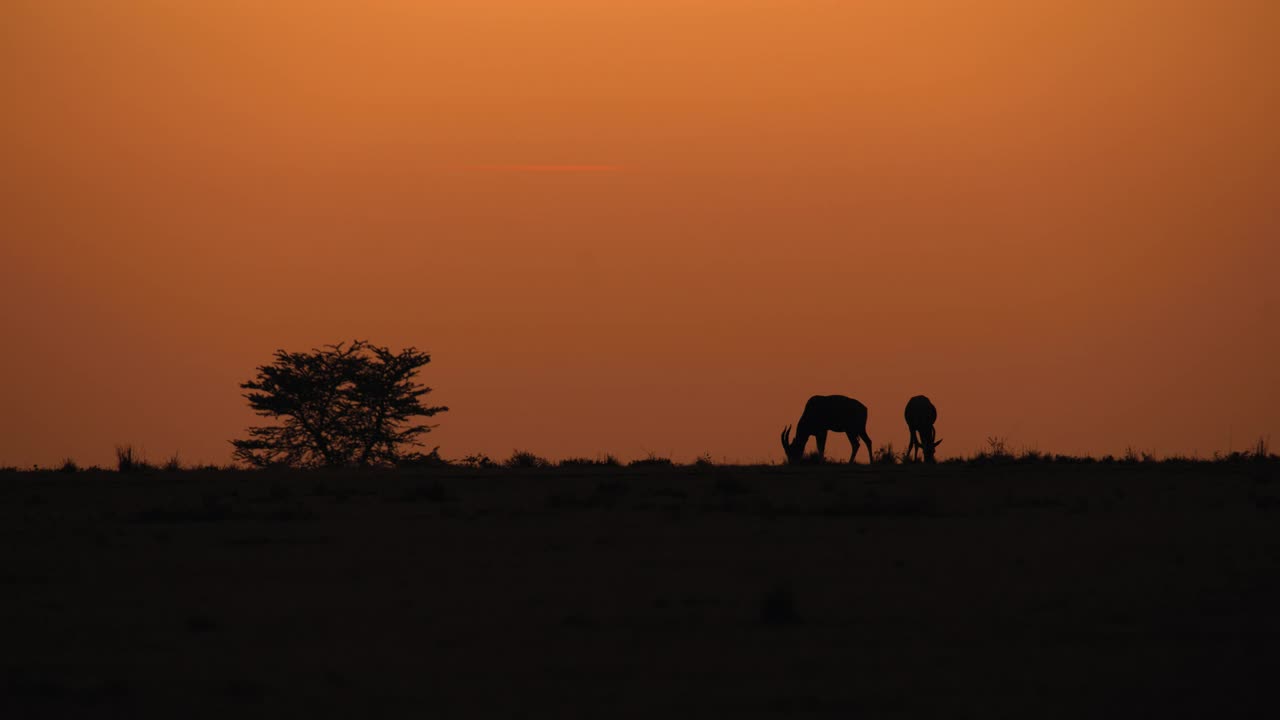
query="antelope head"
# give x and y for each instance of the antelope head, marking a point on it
(794, 454)
(929, 448)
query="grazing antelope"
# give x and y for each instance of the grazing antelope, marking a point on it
(823, 413)
(921, 415)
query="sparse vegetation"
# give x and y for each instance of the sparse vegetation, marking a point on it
(1132, 455)
(1032, 455)
(599, 461)
(651, 460)
(173, 464)
(885, 455)
(525, 460)
(997, 452)
(69, 466)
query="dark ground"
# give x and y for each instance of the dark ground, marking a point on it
(954, 591)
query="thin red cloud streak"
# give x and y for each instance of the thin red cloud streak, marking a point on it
(547, 168)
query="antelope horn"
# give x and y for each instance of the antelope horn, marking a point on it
(786, 439)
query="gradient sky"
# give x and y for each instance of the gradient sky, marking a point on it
(645, 225)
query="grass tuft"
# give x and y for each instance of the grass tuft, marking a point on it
(886, 455)
(127, 460)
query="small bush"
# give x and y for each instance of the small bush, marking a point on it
(69, 466)
(479, 460)
(173, 464)
(997, 448)
(523, 459)
(651, 461)
(704, 461)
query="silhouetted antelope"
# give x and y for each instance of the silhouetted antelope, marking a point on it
(921, 415)
(823, 413)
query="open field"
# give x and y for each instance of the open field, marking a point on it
(998, 590)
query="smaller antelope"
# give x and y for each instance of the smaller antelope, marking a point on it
(921, 415)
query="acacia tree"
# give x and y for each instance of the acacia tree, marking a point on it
(337, 406)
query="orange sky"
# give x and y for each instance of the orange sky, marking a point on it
(645, 225)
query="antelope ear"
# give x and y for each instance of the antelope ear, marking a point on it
(936, 443)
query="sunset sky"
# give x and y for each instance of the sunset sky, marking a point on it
(636, 226)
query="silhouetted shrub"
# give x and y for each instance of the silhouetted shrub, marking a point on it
(704, 461)
(478, 460)
(651, 461)
(526, 459)
(173, 464)
(69, 466)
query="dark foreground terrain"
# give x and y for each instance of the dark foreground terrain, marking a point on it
(1046, 590)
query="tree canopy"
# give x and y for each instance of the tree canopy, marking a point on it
(337, 406)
